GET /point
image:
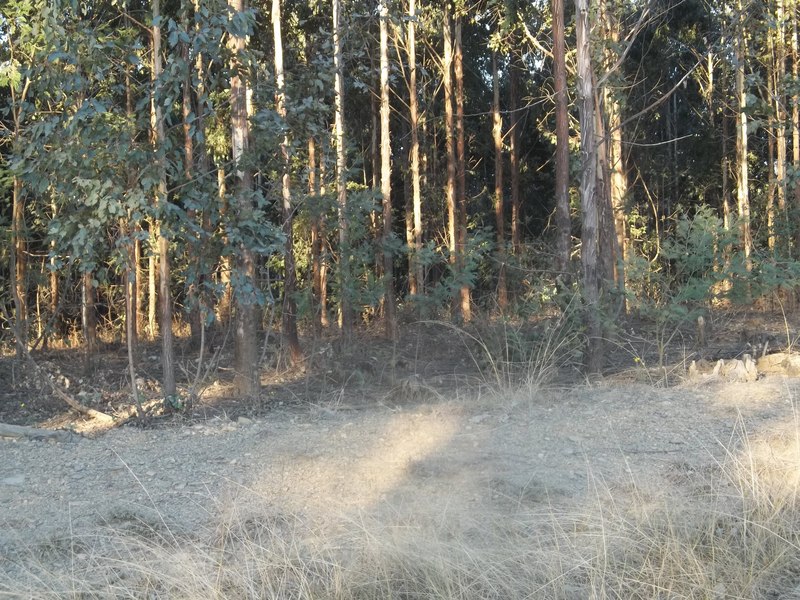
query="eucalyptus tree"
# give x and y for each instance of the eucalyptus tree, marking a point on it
(246, 294)
(588, 191)
(390, 309)
(563, 226)
(290, 274)
(345, 308)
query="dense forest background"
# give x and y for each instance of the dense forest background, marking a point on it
(167, 168)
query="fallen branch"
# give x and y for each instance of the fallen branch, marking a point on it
(32, 433)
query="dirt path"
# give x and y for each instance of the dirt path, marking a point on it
(463, 458)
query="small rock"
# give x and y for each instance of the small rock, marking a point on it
(244, 421)
(13, 480)
(478, 418)
(792, 365)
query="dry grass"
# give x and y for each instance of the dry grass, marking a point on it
(730, 533)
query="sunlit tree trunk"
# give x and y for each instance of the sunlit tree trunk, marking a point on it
(780, 137)
(771, 129)
(589, 224)
(345, 309)
(416, 273)
(164, 292)
(563, 225)
(742, 187)
(499, 216)
(246, 378)
(290, 279)
(461, 169)
(617, 173)
(390, 310)
(449, 123)
(224, 305)
(152, 283)
(795, 123)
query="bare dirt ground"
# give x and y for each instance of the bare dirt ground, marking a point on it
(431, 455)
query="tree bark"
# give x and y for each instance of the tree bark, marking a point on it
(450, 190)
(780, 140)
(290, 275)
(316, 236)
(742, 187)
(499, 210)
(513, 155)
(795, 122)
(390, 309)
(246, 379)
(615, 159)
(563, 225)
(416, 272)
(19, 268)
(195, 259)
(461, 172)
(345, 310)
(164, 293)
(589, 233)
(88, 316)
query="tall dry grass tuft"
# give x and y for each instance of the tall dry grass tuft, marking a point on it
(516, 356)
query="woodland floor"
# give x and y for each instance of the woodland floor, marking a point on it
(398, 442)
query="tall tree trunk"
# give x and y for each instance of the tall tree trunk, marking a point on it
(246, 379)
(88, 317)
(324, 245)
(416, 272)
(499, 216)
(54, 286)
(131, 268)
(316, 237)
(19, 233)
(513, 155)
(290, 280)
(589, 231)
(152, 283)
(742, 187)
(780, 139)
(224, 304)
(563, 225)
(19, 266)
(188, 116)
(450, 190)
(345, 309)
(771, 127)
(461, 171)
(617, 174)
(795, 123)
(390, 309)
(164, 293)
